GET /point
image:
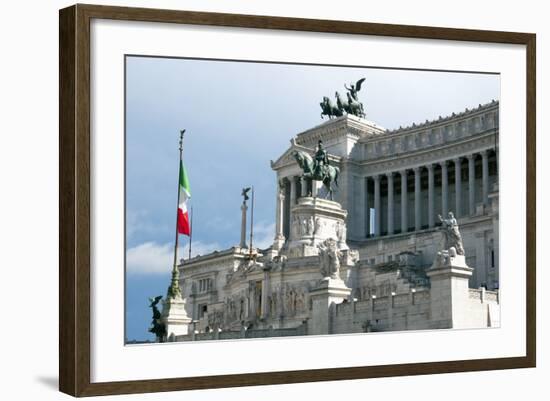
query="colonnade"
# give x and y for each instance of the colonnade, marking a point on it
(290, 189)
(445, 183)
(373, 207)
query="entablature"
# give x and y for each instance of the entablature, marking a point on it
(433, 155)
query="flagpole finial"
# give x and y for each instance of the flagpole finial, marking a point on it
(181, 139)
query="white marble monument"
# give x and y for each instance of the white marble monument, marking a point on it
(375, 257)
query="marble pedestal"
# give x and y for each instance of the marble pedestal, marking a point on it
(175, 318)
(323, 299)
(313, 221)
(449, 292)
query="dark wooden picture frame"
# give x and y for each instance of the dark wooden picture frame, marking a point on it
(74, 202)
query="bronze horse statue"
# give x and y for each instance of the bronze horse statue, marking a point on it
(351, 106)
(329, 109)
(306, 163)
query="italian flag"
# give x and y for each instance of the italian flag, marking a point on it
(184, 195)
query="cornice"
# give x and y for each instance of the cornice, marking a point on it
(446, 120)
(434, 154)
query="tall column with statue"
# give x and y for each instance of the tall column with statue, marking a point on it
(279, 217)
(244, 209)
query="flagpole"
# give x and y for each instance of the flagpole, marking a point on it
(174, 289)
(252, 221)
(190, 231)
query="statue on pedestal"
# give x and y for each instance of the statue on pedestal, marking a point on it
(318, 167)
(329, 256)
(453, 239)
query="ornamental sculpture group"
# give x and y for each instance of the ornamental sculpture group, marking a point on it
(317, 167)
(351, 105)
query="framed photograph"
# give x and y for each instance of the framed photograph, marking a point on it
(250, 200)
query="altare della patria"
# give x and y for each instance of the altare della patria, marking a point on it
(375, 230)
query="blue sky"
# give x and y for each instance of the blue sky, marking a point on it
(238, 117)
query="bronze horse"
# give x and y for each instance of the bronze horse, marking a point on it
(306, 163)
(329, 109)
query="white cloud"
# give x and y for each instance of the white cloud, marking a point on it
(199, 248)
(153, 258)
(264, 234)
(139, 222)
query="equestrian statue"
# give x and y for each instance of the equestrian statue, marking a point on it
(318, 168)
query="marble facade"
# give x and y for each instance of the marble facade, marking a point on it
(382, 229)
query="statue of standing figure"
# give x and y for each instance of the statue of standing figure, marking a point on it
(340, 231)
(310, 225)
(453, 239)
(330, 255)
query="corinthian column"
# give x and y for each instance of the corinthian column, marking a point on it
(458, 188)
(279, 216)
(377, 207)
(265, 289)
(471, 184)
(431, 217)
(292, 191)
(244, 208)
(404, 217)
(367, 207)
(417, 200)
(303, 186)
(444, 189)
(485, 174)
(390, 203)
(362, 209)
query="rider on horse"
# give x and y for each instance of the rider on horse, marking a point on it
(321, 162)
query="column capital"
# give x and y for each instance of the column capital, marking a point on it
(471, 157)
(484, 153)
(403, 172)
(457, 159)
(430, 167)
(417, 169)
(376, 177)
(443, 163)
(389, 175)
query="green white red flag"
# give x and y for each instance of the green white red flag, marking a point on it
(184, 195)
